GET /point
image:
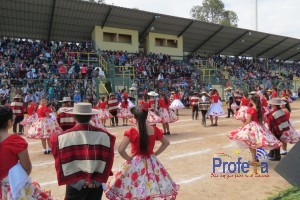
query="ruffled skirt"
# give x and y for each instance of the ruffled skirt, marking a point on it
(216, 109)
(124, 113)
(96, 122)
(104, 114)
(29, 119)
(167, 115)
(31, 191)
(43, 128)
(142, 178)
(255, 136)
(152, 118)
(291, 136)
(241, 114)
(177, 104)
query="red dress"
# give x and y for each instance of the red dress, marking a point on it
(44, 126)
(241, 114)
(291, 136)
(124, 111)
(144, 177)
(31, 116)
(254, 135)
(104, 113)
(9, 150)
(167, 115)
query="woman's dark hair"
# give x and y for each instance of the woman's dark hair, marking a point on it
(125, 100)
(288, 106)
(5, 114)
(103, 98)
(146, 97)
(166, 99)
(257, 102)
(140, 114)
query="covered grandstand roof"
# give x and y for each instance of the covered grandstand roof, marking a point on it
(74, 20)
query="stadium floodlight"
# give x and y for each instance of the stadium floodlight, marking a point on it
(256, 18)
(152, 28)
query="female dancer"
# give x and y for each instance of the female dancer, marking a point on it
(15, 163)
(176, 103)
(142, 176)
(167, 115)
(241, 114)
(124, 111)
(216, 109)
(104, 113)
(290, 136)
(31, 114)
(253, 134)
(44, 126)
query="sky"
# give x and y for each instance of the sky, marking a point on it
(274, 16)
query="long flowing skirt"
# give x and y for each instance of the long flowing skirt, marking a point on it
(291, 136)
(96, 122)
(104, 114)
(31, 191)
(152, 118)
(241, 114)
(124, 113)
(255, 136)
(142, 178)
(167, 115)
(177, 104)
(216, 109)
(29, 119)
(43, 128)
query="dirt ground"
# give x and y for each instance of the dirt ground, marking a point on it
(188, 160)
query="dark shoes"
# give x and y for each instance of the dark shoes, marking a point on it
(167, 133)
(276, 155)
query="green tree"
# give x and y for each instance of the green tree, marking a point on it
(213, 11)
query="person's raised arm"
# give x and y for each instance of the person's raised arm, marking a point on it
(122, 148)
(164, 144)
(25, 161)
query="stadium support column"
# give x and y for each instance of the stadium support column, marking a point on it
(51, 19)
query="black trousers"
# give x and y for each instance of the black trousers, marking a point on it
(84, 193)
(195, 110)
(203, 112)
(114, 114)
(17, 121)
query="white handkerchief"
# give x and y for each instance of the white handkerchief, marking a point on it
(17, 178)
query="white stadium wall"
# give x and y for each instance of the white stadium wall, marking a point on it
(115, 39)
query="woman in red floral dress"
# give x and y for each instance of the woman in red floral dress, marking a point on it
(142, 176)
(15, 162)
(253, 134)
(167, 115)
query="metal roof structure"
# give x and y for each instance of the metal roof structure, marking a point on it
(74, 20)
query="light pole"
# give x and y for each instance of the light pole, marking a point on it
(256, 18)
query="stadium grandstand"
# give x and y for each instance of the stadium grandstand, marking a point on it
(53, 48)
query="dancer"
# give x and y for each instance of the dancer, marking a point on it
(43, 127)
(83, 155)
(291, 136)
(104, 113)
(216, 109)
(204, 105)
(65, 120)
(176, 103)
(229, 101)
(277, 122)
(124, 111)
(31, 114)
(194, 102)
(18, 107)
(167, 115)
(236, 101)
(142, 176)
(241, 114)
(113, 108)
(15, 163)
(253, 134)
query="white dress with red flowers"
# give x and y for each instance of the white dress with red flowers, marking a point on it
(254, 135)
(144, 177)
(241, 114)
(216, 109)
(29, 119)
(96, 122)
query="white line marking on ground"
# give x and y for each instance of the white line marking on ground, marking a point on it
(36, 142)
(42, 164)
(191, 180)
(188, 140)
(48, 183)
(190, 154)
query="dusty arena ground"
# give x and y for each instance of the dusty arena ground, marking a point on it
(188, 160)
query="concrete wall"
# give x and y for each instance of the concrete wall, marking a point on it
(97, 37)
(152, 47)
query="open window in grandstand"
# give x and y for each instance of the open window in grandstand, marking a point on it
(117, 38)
(172, 43)
(160, 42)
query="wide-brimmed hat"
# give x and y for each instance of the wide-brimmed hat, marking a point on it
(111, 94)
(173, 92)
(228, 88)
(83, 109)
(152, 93)
(269, 90)
(66, 99)
(132, 88)
(253, 93)
(276, 101)
(204, 92)
(18, 96)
